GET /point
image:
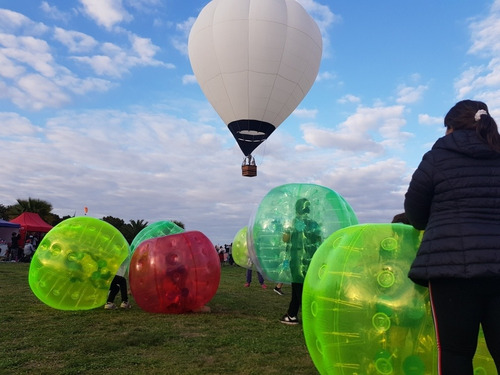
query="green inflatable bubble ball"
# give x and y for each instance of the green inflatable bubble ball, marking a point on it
(75, 263)
(240, 249)
(362, 314)
(290, 224)
(154, 230)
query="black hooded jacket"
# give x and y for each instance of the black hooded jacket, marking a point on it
(455, 196)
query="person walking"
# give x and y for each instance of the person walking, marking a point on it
(454, 195)
(277, 289)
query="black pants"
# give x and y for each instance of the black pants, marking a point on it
(293, 308)
(459, 306)
(119, 284)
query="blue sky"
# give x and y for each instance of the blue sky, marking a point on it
(99, 108)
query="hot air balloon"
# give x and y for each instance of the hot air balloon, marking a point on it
(255, 60)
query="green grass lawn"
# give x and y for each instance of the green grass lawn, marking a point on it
(242, 334)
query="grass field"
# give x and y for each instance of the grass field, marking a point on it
(242, 334)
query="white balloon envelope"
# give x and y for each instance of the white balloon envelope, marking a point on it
(255, 60)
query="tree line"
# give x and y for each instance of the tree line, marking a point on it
(44, 210)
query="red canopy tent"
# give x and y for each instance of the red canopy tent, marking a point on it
(31, 222)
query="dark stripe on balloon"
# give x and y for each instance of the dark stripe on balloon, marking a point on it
(250, 133)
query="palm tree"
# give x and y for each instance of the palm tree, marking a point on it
(38, 206)
(133, 228)
(3, 212)
(179, 223)
(138, 225)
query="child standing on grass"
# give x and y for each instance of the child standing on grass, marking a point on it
(259, 276)
(119, 284)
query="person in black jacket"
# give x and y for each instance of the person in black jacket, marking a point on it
(454, 195)
(304, 238)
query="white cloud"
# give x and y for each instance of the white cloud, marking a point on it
(425, 119)
(322, 14)
(360, 183)
(144, 51)
(9, 68)
(326, 138)
(484, 32)
(180, 42)
(324, 17)
(75, 41)
(106, 13)
(142, 164)
(116, 61)
(33, 80)
(103, 65)
(53, 12)
(349, 98)
(369, 130)
(30, 51)
(11, 21)
(15, 125)
(82, 86)
(144, 6)
(305, 113)
(482, 81)
(41, 91)
(188, 79)
(106, 157)
(409, 95)
(325, 76)
(466, 82)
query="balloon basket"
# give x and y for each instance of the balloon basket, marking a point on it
(249, 170)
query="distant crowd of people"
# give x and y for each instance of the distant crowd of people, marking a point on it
(225, 254)
(16, 251)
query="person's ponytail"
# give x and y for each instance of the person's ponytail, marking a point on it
(487, 131)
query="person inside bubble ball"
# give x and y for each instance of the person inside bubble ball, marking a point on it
(119, 284)
(303, 238)
(454, 195)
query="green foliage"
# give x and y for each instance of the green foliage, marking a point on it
(44, 208)
(114, 221)
(131, 230)
(39, 206)
(242, 334)
(178, 223)
(3, 212)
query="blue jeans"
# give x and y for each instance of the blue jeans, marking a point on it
(249, 277)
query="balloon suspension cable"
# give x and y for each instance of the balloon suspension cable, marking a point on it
(264, 152)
